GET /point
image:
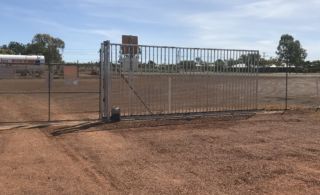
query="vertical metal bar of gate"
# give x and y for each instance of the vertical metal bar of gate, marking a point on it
(257, 80)
(100, 80)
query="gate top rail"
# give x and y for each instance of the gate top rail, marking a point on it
(174, 47)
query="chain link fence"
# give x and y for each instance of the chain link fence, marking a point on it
(302, 91)
(49, 92)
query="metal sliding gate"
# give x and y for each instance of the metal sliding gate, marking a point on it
(156, 80)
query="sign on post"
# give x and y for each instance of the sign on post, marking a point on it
(130, 44)
(71, 75)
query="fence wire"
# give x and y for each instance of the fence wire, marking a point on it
(49, 92)
(303, 91)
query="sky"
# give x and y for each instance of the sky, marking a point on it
(228, 24)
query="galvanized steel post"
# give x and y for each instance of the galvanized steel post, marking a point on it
(106, 84)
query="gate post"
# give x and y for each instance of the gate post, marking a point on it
(105, 100)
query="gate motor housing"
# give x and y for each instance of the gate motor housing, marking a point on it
(115, 114)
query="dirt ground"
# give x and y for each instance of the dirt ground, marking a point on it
(270, 153)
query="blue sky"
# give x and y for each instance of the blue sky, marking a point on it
(236, 24)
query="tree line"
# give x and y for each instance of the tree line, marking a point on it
(290, 53)
(41, 44)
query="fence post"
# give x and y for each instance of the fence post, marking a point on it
(100, 81)
(257, 66)
(106, 81)
(49, 91)
(169, 94)
(317, 80)
(286, 98)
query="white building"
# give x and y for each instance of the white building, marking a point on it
(239, 66)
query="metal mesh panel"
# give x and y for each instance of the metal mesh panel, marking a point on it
(27, 95)
(23, 93)
(272, 91)
(303, 91)
(75, 92)
(172, 80)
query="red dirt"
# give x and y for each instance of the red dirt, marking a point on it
(264, 154)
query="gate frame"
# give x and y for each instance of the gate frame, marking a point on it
(106, 82)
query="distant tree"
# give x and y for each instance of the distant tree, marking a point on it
(313, 66)
(17, 48)
(151, 63)
(4, 46)
(36, 49)
(199, 60)
(5, 50)
(42, 44)
(187, 65)
(316, 63)
(264, 62)
(48, 46)
(232, 62)
(220, 63)
(290, 51)
(251, 59)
